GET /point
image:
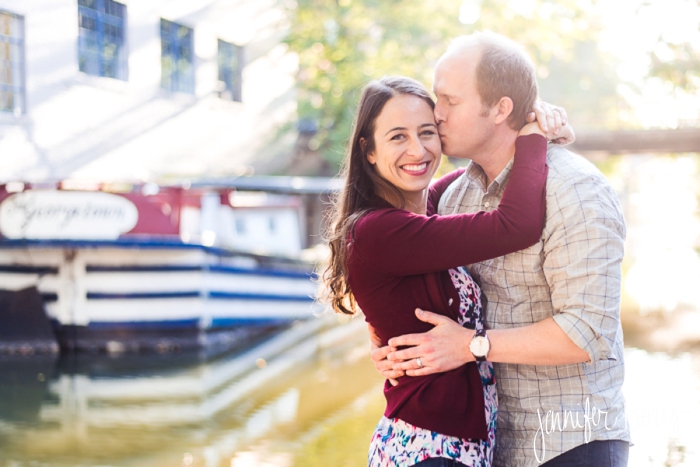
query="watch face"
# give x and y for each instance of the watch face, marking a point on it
(479, 346)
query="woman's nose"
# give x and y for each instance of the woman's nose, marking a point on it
(415, 147)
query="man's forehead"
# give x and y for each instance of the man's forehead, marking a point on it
(452, 70)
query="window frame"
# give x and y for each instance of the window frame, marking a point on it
(175, 47)
(234, 92)
(18, 90)
(102, 18)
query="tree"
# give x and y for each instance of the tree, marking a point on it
(681, 69)
(342, 44)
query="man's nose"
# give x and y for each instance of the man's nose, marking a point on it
(439, 114)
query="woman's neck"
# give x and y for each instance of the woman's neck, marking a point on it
(415, 201)
(417, 204)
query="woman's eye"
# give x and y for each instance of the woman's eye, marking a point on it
(397, 137)
(428, 133)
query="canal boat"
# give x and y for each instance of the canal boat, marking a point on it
(124, 267)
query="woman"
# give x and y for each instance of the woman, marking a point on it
(389, 257)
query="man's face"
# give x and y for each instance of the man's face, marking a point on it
(458, 112)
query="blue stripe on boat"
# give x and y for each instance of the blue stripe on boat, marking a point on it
(194, 268)
(128, 243)
(140, 295)
(197, 294)
(254, 296)
(262, 272)
(49, 297)
(143, 268)
(22, 269)
(184, 323)
(145, 243)
(234, 322)
(145, 325)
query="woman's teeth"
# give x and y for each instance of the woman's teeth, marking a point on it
(415, 167)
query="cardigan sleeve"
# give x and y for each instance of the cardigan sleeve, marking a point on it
(403, 243)
(438, 188)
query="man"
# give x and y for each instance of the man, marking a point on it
(552, 314)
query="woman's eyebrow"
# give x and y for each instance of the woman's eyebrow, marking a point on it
(404, 128)
(394, 129)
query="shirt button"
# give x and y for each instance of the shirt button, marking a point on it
(487, 204)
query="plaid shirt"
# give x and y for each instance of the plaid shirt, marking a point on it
(573, 274)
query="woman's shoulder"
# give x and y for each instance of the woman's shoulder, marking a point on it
(439, 186)
(446, 180)
(379, 219)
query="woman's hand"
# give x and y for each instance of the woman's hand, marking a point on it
(443, 348)
(379, 353)
(532, 128)
(552, 122)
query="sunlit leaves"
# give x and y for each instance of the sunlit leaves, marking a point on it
(342, 44)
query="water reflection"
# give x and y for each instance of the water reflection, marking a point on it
(314, 403)
(663, 403)
(176, 411)
(23, 386)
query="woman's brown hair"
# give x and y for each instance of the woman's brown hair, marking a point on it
(363, 186)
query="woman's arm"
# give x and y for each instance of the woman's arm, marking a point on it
(403, 243)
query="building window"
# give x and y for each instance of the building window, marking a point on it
(11, 63)
(176, 57)
(230, 71)
(101, 44)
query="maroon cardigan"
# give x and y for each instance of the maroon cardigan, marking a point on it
(398, 261)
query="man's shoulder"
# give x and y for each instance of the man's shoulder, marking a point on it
(566, 168)
(578, 193)
(572, 176)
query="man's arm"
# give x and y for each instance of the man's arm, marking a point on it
(446, 346)
(583, 253)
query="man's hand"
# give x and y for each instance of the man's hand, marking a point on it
(383, 366)
(443, 348)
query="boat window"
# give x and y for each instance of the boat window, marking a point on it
(240, 226)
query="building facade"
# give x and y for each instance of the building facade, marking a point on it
(156, 90)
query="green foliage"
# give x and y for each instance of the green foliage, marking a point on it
(342, 44)
(682, 70)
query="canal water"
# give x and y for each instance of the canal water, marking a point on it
(309, 395)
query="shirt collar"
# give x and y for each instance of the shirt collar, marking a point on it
(476, 174)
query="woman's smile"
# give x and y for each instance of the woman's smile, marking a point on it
(416, 169)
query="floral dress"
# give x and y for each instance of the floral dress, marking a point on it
(397, 443)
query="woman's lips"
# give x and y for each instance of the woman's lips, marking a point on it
(415, 169)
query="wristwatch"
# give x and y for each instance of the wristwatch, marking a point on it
(480, 345)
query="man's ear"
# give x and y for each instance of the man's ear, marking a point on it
(503, 109)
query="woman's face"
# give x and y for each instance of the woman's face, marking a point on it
(406, 145)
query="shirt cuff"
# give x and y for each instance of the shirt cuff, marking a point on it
(583, 336)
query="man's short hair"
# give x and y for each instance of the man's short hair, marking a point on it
(504, 70)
